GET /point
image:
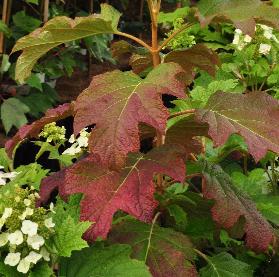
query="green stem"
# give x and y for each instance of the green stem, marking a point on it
(174, 34)
(139, 41)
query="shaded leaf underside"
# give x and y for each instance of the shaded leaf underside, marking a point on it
(231, 204)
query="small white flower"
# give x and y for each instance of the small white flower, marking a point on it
(7, 213)
(12, 259)
(23, 215)
(2, 182)
(264, 48)
(29, 227)
(72, 138)
(3, 239)
(83, 52)
(27, 202)
(29, 211)
(45, 254)
(52, 83)
(73, 150)
(16, 238)
(49, 223)
(33, 257)
(17, 199)
(35, 241)
(247, 39)
(51, 208)
(238, 31)
(4, 176)
(42, 77)
(82, 141)
(23, 266)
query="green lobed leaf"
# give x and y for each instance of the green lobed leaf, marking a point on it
(103, 262)
(68, 236)
(61, 30)
(31, 175)
(41, 269)
(13, 113)
(25, 22)
(34, 82)
(172, 16)
(8, 271)
(5, 29)
(225, 265)
(68, 229)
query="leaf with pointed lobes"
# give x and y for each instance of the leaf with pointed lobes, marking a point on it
(183, 133)
(198, 56)
(60, 30)
(33, 130)
(243, 14)
(137, 57)
(166, 252)
(254, 116)
(117, 102)
(231, 204)
(105, 191)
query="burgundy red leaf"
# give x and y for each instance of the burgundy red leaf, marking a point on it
(105, 191)
(33, 130)
(117, 102)
(198, 56)
(231, 204)
(255, 116)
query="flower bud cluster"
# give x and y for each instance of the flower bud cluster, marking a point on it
(53, 133)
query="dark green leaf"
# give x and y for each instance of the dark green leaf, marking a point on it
(224, 265)
(112, 261)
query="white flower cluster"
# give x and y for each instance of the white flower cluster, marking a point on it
(241, 40)
(78, 144)
(26, 236)
(6, 176)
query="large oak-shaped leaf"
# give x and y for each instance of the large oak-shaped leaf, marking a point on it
(231, 204)
(244, 14)
(255, 116)
(32, 130)
(60, 30)
(198, 56)
(117, 102)
(166, 252)
(105, 192)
